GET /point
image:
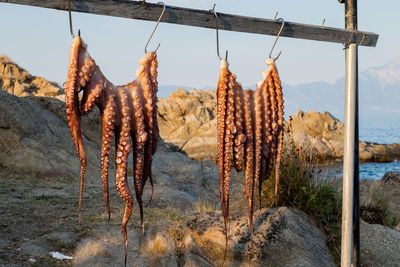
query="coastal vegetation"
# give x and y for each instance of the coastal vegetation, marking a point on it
(300, 186)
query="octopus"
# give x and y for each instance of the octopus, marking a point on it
(128, 114)
(250, 134)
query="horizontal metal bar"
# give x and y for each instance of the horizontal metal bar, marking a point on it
(205, 19)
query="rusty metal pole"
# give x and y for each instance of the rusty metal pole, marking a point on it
(350, 211)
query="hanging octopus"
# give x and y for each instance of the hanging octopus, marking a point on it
(128, 113)
(250, 133)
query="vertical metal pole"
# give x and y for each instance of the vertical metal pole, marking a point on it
(350, 210)
(356, 192)
(348, 158)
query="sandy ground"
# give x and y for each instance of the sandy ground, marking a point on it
(36, 205)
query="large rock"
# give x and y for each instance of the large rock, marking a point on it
(316, 134)
(19, 82)
(379, 246)
(321, 134)
(35, 140)
(282, 237)
(188, 120)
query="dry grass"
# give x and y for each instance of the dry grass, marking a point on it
(33, 205)
(302, 187)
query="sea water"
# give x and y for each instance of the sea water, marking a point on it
(371, 170)
(385, 132)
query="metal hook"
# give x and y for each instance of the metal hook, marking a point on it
(323, 22)
(277, 37)
(276, 15)
(155, 28)
(216, 28)
(70, 21)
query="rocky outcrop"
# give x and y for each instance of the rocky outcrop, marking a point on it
(19, 82)
(33, 139)
(188, 121)
(321, 135)
(316, 133)
(282, 237)
(275, 230)
(379, 245)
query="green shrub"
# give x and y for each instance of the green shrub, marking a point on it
(300, 187)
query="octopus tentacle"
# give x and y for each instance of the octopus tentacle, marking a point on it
(71, 90)
(230, 130)
(155, 130)
(123, 147)
(266, 130)
(148, 83)
(139, 138)
(249, 182)
(107, 119)
(143, 75)
(92, 91)
(257, 139)
(221, 118)
(279, 98)
(268, 136)
(154, 83)
(239, 138)
(274, 123)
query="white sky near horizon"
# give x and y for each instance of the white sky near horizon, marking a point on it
(38, 39)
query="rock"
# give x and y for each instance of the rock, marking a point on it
(181, 182)
(380, 245)
(50, 242)
(321, 135)
(379, 152)
(15, 80)
(34, 249)
(282, 237)
(105, 248)
(188, 120)
(36, 140)
(196, 260)
(383, 196)
(91, 123)
(94, 253)
(316, 134)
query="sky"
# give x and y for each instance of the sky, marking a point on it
(38, 39)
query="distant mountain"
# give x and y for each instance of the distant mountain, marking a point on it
(379, 92)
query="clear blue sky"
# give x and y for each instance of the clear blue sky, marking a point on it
(38, 39)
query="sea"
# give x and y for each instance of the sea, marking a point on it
(385, 132)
